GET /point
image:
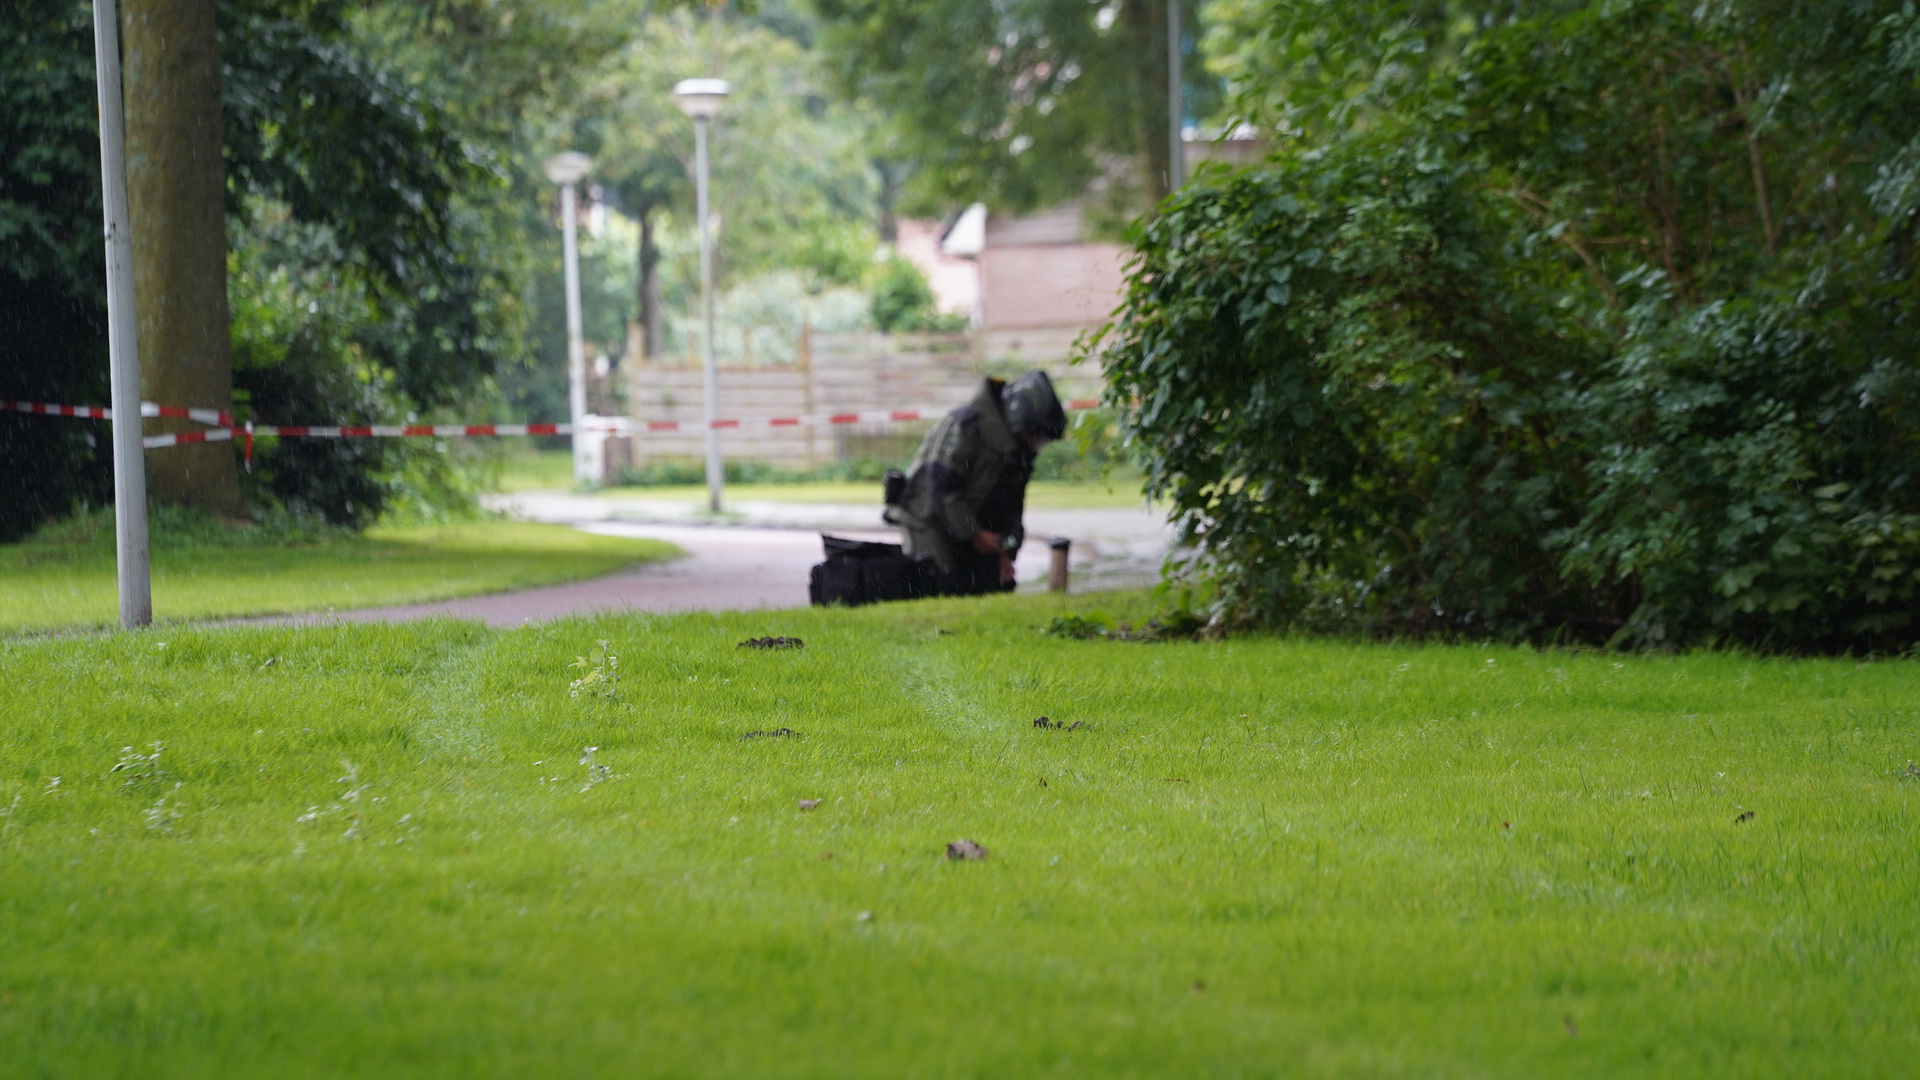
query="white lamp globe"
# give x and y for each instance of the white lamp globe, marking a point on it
(568, 168)
(700, 99)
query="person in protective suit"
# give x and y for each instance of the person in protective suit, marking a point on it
(960, 506)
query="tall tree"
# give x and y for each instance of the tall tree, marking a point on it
(1022, 102)
(639, 157)
(791, 184)
(365, 148)
(176, 189)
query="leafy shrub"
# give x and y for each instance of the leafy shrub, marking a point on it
(1090, 452)
(1597, 322)
(301, 355)
(903, 301)
(1340, 375)
(1753, 468)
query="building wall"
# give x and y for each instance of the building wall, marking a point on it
(1049, 285)
(955, 281)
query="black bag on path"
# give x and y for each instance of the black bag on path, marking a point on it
(864, 572)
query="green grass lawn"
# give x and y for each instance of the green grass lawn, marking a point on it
(525, 468)
(64, 578)
(377, 851)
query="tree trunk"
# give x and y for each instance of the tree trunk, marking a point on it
(1146, 22)
(653, 334)
(176, 190)
(893, 176)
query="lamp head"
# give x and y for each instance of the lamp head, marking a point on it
(700, 99)
(568, 168)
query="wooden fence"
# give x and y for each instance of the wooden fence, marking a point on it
(840, 373)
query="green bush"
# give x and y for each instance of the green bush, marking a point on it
(301, 355)
(903, 301)
(1597, 324)
(1751, 467)
(1345, 387)
(1090, 452)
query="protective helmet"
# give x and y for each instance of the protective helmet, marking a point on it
(1032, 408)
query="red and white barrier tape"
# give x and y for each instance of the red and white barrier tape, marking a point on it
(370, 431)
(211, 417)
(224, 429)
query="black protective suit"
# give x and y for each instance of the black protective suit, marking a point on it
(969, 476)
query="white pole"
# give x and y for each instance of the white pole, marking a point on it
(1176, 108)
(576, 347)
(123, 341)
(716, 473)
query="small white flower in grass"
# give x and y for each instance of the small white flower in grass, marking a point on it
(602, 678)
(352, 779)
(140, 768)
(596, 772)
(161, 815)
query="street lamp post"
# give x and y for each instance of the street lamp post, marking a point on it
(701, 99)
(568, 170)
(123, 358)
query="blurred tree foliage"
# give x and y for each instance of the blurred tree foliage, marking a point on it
(1021, 103)
(903, 301)
(379, 249)
(52, 264)
(1558, 321)
(792, 187)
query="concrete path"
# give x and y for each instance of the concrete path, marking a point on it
(758, 557)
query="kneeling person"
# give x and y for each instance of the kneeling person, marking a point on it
(961, 506)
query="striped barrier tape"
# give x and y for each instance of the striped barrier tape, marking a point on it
(223, 429)
(349, 431)
(212, 417)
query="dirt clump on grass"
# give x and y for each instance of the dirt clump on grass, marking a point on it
(772, 643)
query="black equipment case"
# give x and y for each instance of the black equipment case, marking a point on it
(865, 572)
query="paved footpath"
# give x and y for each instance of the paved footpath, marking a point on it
(758, 556)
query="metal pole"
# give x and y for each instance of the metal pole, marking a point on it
(1176, 108)
(576, 348)
(716, 474)
(123, 340)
